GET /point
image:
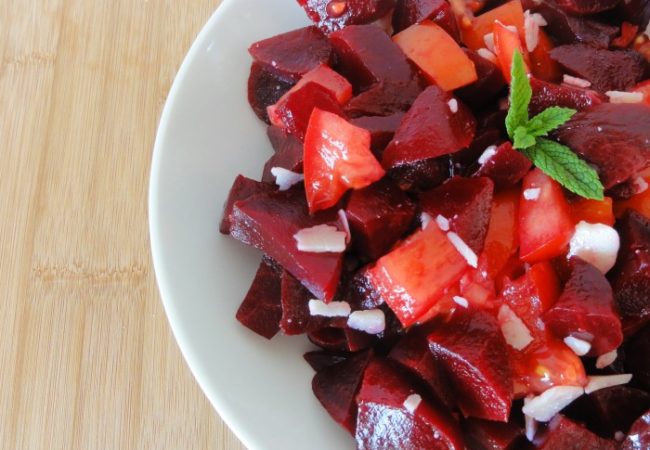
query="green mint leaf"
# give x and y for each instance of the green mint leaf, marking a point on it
(548, 120)
(522, 139)
(564, 166)
(520, 95)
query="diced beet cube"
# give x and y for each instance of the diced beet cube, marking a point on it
(293, 112)
(466, 203)
(410, 12)
(332, 15)
(489, 84)
(636, 358)
(412, 352)
(340, 88)
(583, 7)
(505, 167)
(269, 222)
(414, 276)
(474, 354)
(564, 434)
(422, 175)
(607, 70)
(319, 360)
(487, 435)
(358, 340)
(631, 276)
(382, 130)
(547, 94)
(294, 53)
(384, 99)
(261, 310)
(637, 12)
(384, 422)
(379, 215)
(336, 387)
(431, 128)
(288, 153)
(638, 437)
(330, 339)
(366, 56)
(568, 29)
(586, 310)
(265, 88)
(241, 189)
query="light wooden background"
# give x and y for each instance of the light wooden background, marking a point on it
(87, 360)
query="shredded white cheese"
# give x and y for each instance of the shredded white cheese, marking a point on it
(575, 81)
(321, 239)
(514, 330)
(442, 222)
(332, 309)
(285, 178)
(624, 97)
(487, 154)
(596, 243)
(371, 321)
(453, 105)
(579, 347)
(545, 406)
(425, 220)
(597, 382)
(463, 249)
(461, 301)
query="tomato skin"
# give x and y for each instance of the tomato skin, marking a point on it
(541, 63)
(423, 42)
(502, 238)
(511, 13)
(644, 88)
(545, 223)
(593, 211)
(506, 43)
(337, 157)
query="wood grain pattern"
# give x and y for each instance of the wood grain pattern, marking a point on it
(87, 359)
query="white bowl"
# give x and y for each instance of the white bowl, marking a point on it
(207, 135)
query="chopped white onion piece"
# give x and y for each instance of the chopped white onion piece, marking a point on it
(425, 220)
(371, 321)
(346, 225)
(487, 154)
(442, 222)
(530, 424)
(595, 243)
(321, 239)
(412, 402)
(531, 32)
(624, 97)
(489, 41)
(487, 54)
(579, 347)
(575, 81)
(461, 301)
(543, 407)
(606, 359)
(285, 178)
(597, 382)
(538, 18)
(640, 185)
(532, 193)
(332, 309)
(463, 249)
(514, 330)
(453, 105)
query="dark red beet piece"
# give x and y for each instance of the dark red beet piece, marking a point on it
(489, 84)
(473, 352)
(382, 130)
(280, 139)
(506, 167)
(319, 360)
(564, 434)
(631, 276)
(547, 94)
(332, 15)
(412, 352)
(422, 175)
(330, 339)
(288, 153)
(430, 129)
(379, 215)
(261, 311)
(383, 422)
(639, 436)
(636, 358)
(486, 435)
(269, 222)
(410, 12)
(607, 70)
(466, 203)
(611, 129)
(293, 54)
(367, 55)
(583, 7)
(586, 310)
(384, 99)
(295, 110)
(336, 387)
(264, 89)
(568, 29)
(637, 12)
(241, 189)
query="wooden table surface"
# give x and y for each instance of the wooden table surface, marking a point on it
(87, 359)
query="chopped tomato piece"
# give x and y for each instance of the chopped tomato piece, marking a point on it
(502, 238)
(628, 33)
(545, 223)
(423, 44)
(510, 13)
(593, 211)
(644, 88)
(415, 275)
(337, 157)
(506, 43)
(543, 66)
(639, 202)
(477, 287)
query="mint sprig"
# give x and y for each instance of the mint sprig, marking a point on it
(556, 160)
